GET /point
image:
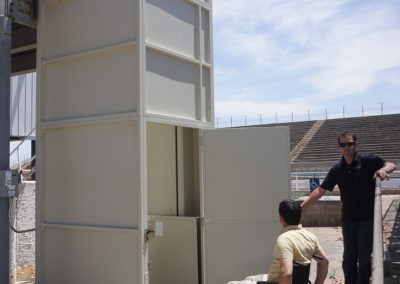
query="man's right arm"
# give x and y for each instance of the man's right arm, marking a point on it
(313, 197)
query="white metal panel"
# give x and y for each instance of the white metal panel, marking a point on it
(77, 26)
(237, 250)
(205, 36)
(205, 100)
(172, 25)
(88, 86)
(161, 169)
(91, 175)
(173, 256)
(77, 257)
(22, 104)
(246, 175)
(172, 86)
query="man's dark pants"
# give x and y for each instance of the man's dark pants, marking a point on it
(357, 241)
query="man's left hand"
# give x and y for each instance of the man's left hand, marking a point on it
(382, 174)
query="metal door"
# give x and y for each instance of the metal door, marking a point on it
(245, 176)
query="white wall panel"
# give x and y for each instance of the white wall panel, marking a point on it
(205, 99)
(172, 25)
(173, 256)
(88, 86)
(205, 36)
(76, 26)
(171, 86)
(248, 169)
(161, 169)
(237, 250)
(77, 257)
(91, 175)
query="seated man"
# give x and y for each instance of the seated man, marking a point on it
(294, 245)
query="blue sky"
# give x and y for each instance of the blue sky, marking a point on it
(299, 55)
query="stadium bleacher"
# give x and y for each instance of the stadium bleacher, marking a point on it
(379, 135)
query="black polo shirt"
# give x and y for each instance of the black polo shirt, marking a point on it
(356, 185)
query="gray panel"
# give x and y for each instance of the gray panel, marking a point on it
(247, 170)
(171, 86)
(77, 257)
(91, 175)
(161, 169)
(206, 111)
(237, 250)
(87, 86)
(76, 26)
(22, 104)
(173, 256)
(172, 25)
(205, 36)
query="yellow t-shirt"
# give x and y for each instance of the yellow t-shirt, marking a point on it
(295, 244)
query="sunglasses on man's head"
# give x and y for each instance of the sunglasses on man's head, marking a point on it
(348, 144)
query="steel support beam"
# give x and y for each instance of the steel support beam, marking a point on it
(5, 71)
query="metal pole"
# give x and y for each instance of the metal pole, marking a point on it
(308, 113)
(231, 121)
(245, 120)
(5, 72)
(260, 118)
(362, 110)
(377, 252)
(343, 112)
(292, 116)
(276, 117)
(381, 107)
(326, 113)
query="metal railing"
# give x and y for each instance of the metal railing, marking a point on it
(223, 120)
(27, 162)
(377, 252)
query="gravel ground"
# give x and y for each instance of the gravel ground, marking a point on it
(25, 256)
(26, 220)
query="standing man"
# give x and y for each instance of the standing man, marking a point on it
(354, 174)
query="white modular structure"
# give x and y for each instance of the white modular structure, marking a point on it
(125, 111)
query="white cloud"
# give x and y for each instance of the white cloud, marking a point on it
(334, 48)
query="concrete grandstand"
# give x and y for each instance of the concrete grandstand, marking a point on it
(313, 144)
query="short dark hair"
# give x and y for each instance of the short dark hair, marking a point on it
(290, 211)
(347, 133)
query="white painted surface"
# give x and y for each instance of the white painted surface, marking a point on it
(77, 26)
(171, 86)
(91, 175)
(161, 170)
(246, 175)
(172, 25)
(87, 85)
(79, 256)
(173, 256)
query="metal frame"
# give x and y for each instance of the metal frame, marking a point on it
(5, 72)
(377, 251)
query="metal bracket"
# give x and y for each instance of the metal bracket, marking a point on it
(9, 183)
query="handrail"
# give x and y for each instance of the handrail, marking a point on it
(22, 141)
(16, 149)
(377, 252)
